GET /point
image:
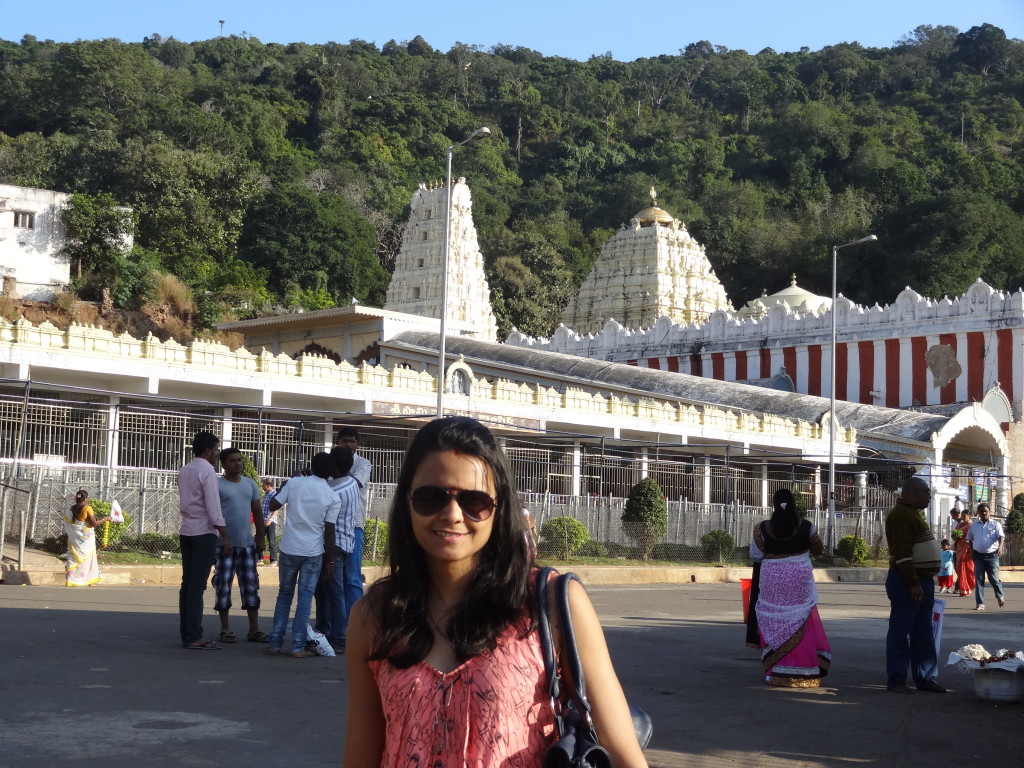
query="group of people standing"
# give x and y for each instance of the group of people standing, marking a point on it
(976, 549)
(783, 618)
(321, 543)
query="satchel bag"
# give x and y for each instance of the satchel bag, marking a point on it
(576, 745)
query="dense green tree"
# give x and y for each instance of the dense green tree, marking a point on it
(314, 241)
(99, 247)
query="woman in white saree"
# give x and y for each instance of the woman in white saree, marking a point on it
(80, 524)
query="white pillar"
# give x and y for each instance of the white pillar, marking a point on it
(1002, 488)
(577, 469)
(860, 493)
(113, 430)
(935, 473)
(817, 489)
(225, 427)
(705, 486)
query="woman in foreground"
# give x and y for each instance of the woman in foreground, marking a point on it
(794, 649)
(444, 660)
(80, 524)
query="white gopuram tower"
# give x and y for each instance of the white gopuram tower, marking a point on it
(648, 269)
(416, 283)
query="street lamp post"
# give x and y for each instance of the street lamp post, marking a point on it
(832, 398)
(479, 133)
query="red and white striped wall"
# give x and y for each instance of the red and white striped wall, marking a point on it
(892, 372)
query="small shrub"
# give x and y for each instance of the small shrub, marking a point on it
(67, 302)
(620, 551)
(592, 548)
(667, 551)
(717, 546)
(853, 549)
(1015, 520)
(375, 539)
(565, 534)
(249, 470)
(152, 543)
(55, 545)
(645, 518)
(170, 293)
(10, 309)
(115, 531)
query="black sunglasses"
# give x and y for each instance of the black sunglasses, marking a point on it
(429, 500)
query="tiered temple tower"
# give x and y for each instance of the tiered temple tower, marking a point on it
(416, 284)
(648, 269)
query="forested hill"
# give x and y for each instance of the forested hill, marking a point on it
(266, 174)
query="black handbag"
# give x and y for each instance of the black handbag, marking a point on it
(576, 745)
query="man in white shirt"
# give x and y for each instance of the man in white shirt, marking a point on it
(308, 535)
(986, 538)
(348, 437)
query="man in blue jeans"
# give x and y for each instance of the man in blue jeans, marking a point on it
(348, 437)
(986, 539)
(331, 607)
(914, 559)
(308, 535)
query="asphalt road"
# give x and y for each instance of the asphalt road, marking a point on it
(96, 677)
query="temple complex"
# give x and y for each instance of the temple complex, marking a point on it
(87, 397)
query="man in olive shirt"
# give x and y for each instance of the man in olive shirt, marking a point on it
(910, 586)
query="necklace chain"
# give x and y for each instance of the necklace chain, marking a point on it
(439, 631)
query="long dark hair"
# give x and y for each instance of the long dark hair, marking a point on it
(499, 592)
(785, 518)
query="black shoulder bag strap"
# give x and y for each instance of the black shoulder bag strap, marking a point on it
(547, 645)
(570, 652)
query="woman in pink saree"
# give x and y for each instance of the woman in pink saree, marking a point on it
(964, 556)
(794, 649)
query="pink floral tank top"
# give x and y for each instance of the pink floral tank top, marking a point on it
(490, 711)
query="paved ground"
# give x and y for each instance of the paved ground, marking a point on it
(95, 677)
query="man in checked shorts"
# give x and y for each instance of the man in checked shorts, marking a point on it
(240, 504)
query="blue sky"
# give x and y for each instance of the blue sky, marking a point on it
(571, 28)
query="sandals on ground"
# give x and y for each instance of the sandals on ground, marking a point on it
(258, 637)
(303, 654)
(209, 645)
(228, 636)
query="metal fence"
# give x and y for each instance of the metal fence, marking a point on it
(35, 503)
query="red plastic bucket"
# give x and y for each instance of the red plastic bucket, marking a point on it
(745, 585)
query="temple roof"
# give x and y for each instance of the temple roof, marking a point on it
(881, 422)
(796, 298)
(654, 215)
